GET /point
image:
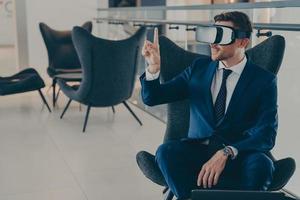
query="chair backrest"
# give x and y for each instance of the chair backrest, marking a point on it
(109, 67)
(268, 54)
(60, 48)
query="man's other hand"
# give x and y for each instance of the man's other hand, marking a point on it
(212, 169)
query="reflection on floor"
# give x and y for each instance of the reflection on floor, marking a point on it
(45, 158)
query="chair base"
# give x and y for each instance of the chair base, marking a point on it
(88, 112)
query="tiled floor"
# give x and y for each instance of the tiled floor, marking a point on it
(45, 158)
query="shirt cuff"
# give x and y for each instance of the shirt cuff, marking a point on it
(150, 76)
(235, 152)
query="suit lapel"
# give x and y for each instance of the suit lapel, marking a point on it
(208, 81)
(240, 88)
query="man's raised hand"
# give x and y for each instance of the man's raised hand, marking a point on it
(151, 53)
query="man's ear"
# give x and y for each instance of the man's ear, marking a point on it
(244, 43)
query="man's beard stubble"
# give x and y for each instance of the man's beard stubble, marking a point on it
(220, 56)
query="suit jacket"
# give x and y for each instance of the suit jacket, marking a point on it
(250, 122)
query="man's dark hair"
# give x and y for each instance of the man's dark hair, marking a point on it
(240, 20)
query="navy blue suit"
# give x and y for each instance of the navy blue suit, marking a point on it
(249, 125)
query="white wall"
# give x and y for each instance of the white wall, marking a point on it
(6, 21)
(61, 15)
(7, 38)
(21, 44)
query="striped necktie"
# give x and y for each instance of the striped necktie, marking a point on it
(220, 103)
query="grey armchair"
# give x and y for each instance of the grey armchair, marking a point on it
(62, 56)
(268, 54)
(108, 70)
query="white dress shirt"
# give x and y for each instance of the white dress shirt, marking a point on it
(231, 80)
(216, 83)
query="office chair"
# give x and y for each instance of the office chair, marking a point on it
(108, 70)
(62, 56)
(25, 81)
(174, 60)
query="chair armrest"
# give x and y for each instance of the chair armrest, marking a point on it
(68, 90)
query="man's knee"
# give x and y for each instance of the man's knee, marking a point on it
(258, 169)
(167, 151)
(260, 163)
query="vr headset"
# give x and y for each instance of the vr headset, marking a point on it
(222, 35)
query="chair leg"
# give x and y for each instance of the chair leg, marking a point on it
(53, 95)
(86, 118)
(127, 106)
(66, 108)
(165, 190)
(44, 100)
(168, 195)
(113, 109)
(57, 95)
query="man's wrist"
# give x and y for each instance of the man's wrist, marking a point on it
(153, 69)
(221, 152)
(234, 151)
(150, 76)
(227, 152)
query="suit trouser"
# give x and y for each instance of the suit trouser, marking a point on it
(180, 163)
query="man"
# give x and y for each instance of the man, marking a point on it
(233, 116)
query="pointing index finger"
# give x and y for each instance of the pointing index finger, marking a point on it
(155, 40)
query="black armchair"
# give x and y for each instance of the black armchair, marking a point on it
(62, 56)
(174, 59)
(26, 80)
(108, 70)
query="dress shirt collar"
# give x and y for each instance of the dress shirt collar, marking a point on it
(238, 68)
